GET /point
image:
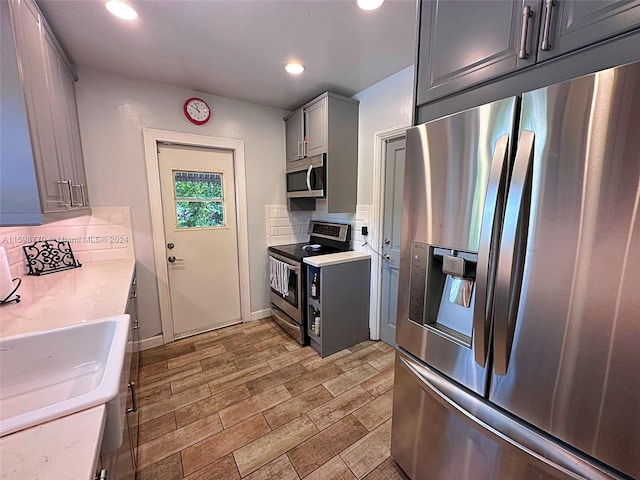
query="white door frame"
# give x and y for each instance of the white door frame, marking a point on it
(379, 150)
(151, 139)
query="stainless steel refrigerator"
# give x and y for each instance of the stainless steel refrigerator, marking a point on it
(519, 300)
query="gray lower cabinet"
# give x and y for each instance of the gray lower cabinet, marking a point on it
(133, 428)
(42, 164)
(339, 317)
(466, 43)
(121, 464)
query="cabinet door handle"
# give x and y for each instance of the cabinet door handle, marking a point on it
(103, 475)
(68, 184)
(526, 14)
(300, 150)
(305, 148)
(134, 406)
(79, 187)
(546, 31)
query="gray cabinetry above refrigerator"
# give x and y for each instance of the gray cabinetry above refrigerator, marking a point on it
(464, 43)
(326, 127)
(42, 165)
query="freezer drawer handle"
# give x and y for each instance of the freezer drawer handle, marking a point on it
(507, 428)
(489, 235)
(512, 250)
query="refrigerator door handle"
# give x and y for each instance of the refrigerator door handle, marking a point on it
(487, 252)
(512, 253)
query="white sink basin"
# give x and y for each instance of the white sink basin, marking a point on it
(47, 375)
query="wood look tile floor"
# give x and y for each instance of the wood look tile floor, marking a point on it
(247, 401)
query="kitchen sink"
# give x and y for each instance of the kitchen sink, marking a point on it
(47, 375)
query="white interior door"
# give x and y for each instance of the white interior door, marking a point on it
(199, 212)
(391, 227)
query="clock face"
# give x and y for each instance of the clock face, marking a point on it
(197, 111)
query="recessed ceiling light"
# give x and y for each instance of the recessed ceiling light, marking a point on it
(294, 68)
(369, 4)
(121, 9)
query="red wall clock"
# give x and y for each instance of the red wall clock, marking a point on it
(197, 111)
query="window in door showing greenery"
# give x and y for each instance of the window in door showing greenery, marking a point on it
(199, 199)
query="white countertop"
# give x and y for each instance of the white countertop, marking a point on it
(59, 299)
(66, 448)
(335, 258)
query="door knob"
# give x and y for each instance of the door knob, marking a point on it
(387, 256)
(170, 246)
(387, 241)
(173, 259)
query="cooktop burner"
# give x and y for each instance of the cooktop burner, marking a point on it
(296, 251)
(325, 237)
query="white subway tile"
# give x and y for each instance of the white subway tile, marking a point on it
(280, 222)
(287, 230)
(280, 239)
(301, 238)
(273, 213)
(273, 231)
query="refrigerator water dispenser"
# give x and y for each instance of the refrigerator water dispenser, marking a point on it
(442, 291)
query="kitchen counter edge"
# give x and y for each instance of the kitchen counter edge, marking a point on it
(336, 258)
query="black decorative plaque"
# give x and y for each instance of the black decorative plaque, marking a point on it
(49, 256)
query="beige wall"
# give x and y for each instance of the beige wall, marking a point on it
(113, 110)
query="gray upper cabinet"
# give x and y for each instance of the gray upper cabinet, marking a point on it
(466, 43)
(306, 130)
(316, 120)
(327, 125)
(45, 105)
(572, 24)
(294, 131)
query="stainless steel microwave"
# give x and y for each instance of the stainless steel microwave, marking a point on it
(306, 177)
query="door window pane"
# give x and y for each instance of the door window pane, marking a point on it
(198, 185)
(199, 199)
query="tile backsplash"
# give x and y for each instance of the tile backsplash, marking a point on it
(283, 226)
(105, 235)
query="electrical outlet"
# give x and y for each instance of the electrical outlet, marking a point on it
(365, 231)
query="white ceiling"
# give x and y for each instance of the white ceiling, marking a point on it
(237, 48)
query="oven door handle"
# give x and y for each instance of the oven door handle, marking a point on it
(295, 268)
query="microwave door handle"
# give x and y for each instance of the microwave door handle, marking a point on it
(489, 236)
(309, 177)
(512, 253)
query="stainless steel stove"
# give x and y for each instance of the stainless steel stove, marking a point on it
(287, 305)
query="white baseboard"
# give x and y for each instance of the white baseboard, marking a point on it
(148, 343)
(261, 314)
(158, 340)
